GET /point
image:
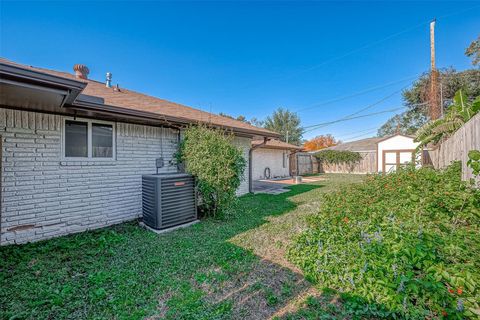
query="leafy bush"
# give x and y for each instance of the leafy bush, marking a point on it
(474, 161)
(436, 131)
(406, 244)
(338, 156)
(217, 164)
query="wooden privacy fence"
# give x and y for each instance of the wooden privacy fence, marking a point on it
(456, 148)
(308, 164)
(368, 164)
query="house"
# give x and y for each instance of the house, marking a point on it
(73, 149)
(271, 159)
(378, 154)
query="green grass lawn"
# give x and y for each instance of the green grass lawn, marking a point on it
(233, 269)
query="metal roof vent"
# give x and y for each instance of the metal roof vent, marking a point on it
(81, 71)
(108, 82)
(168, 200)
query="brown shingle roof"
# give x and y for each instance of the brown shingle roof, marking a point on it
(359, 145)
(276, 144)
(137, 101)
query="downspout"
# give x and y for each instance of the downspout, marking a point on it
(250, 160)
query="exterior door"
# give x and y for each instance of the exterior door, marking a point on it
(393, 159)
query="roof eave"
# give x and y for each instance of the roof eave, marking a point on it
(89, 105)
(40, 79)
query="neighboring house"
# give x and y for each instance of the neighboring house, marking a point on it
(271, 159)
(378, 155)
(73, 150)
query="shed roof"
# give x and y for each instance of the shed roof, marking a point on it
(132, 100)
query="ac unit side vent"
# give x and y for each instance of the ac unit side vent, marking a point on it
(168, 200)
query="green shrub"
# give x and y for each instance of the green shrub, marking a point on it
(474, 161)
(218, 166)
(338, 156)
(407, 244)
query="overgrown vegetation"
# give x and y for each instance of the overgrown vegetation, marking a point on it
(436, 131)
(216, 269)
(474, 161)
(217, 164)
(402, 245)
(338, 156)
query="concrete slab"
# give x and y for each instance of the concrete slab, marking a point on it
(269, 187)
(168, 229)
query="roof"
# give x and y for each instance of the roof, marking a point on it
(368, 144)
(395, 135)
(132, 100)
(276, 144)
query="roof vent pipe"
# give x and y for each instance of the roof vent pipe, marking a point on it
(108, 83)
(81, 71)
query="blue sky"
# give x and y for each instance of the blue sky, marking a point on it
(248, 57)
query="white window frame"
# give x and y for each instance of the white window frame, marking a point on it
(89, 140)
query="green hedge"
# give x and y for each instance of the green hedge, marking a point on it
(217, 164)
(338, 156)
(403, 245)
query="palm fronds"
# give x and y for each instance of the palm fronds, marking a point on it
(436, 131)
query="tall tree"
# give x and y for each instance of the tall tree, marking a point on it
(239, 118)
(286, 123)
(416, 99)
(473, 51)
(320, 142)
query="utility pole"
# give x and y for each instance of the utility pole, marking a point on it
(435, 111)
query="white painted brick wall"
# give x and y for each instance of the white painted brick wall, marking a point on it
(44, 196)
(244, 144)
(271, 158)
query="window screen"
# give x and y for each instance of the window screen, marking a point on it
(76, 139)
(102, 140)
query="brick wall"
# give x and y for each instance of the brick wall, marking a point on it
(244, 144)
(271, 158)
(45, 196)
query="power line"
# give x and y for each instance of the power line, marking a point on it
(356, 132)
(361, 135)
(323, 124)
(358, 93)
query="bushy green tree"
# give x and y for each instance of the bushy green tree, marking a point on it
(473, 51)
(217, 164)
(416, 99)
(286, 123)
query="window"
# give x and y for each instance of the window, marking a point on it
(284, 160)
(76, 139)
(102, 140)
(89, 139)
